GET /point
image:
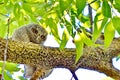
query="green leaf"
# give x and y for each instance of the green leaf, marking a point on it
(112, 1)
(54, 29)
(79, 46)
(16, 10)
(40, 9)
(64, 4)
(5, 2)
(10, 66)
(69, 27)
(7, 76)
(3, 28)
(104, 21)
(98, 27)
(116, 23)
(33, 18)
(86, 40)
(72, 18)
(22, 78)
(65, 38)
(96, 34)
(117, 5)
(106, 10)
(80, 5)
(109, 33)
(83, 18)
(95, 5)
(27, 7)
(117, 2)
(9, 7)
(0, 70)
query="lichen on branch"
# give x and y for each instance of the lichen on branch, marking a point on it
(94, 58)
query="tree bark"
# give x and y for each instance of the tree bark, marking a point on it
(94, 58)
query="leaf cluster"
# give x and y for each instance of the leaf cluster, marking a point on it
(70, 15)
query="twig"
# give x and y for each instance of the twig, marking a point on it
(91, 17)
(3, 14)
(74, 75)
(71, 78)
(5, 51)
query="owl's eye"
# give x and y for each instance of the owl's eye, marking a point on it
(34, 30)
(43, 37)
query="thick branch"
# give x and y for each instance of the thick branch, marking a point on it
(48, 57)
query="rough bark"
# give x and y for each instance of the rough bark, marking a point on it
(95, 58)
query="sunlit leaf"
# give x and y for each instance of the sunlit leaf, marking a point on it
(65, 38)
(117, 2)
(20, 20)
(72, 18)
(86, 40)
(64, 4)
(109, 33)
(5, 2)
(79, 46)
(98, 26)
(53, 26)
(104, 21)
(7, 76)
(17, 10)
(12, 27)
(85, 20)
(95, 5)
(33, 18)
(80, 4)
(22, 78)
(1, 2)
(106, 10)
(27, 7)
(117, 7)
(116, 23)
(95, 31)
(69, 27)
(58, 11)
(3, 28)
(10, 66)
(112, 1)
(9, 7)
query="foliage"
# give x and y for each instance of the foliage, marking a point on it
(71, 15)
(9, 69)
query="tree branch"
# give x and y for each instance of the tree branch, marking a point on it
(94, 58)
